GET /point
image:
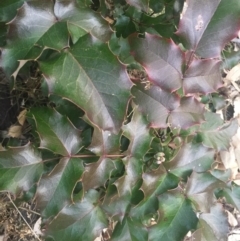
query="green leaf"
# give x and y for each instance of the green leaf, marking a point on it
(20, 169)
(90, 76)
(104, 143)
(191, 157)
(137, 131)
(200, 189)
(81, 20)
(124, 26)
(140, 4)
(232, 195)
(97, 174)
(56, 132)
(161, 58)
(155, 182)
(35, 25)
(213, 226)
(176, 217)
(8, 9)
(55, 189)
(202, 76)
(204, 27)
(129, 230)
(83, 221)
(215, 134)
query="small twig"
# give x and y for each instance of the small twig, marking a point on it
(23, 217)
(30, 211)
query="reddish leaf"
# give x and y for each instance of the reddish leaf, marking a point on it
(190, 112)
(161, 58)
(156, 104)
(203, 76)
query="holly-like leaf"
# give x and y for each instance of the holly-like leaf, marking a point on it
(200, 189)
(154, 184)
(104, 143)
(45, 24)
(232, 195)
(213, 226)
(83, 220)
(203, 76)
(156, 104)
(189, 113)
(176, 217)
(35, 22)
(81, 20)
(215, 134)
(204, 27)
(140, 4)
(56, 132)
(55, 189)
(138, 132)
(161, 58)
(191, 157)
(97, 174)
(20, 169)
(129, 230)
(90, 76)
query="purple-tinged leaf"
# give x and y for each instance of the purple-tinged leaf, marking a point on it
(55, 189)
(208, 25)
(189, 113)
(20, 169)
(195, 21)
(213, 226)
(200, 189)
(97, 174)
(129, 230)
(91, 77)
(202, 76)
(138, 132)
(191, 157)
(83, 220)
(215, 134)
(155, 104)
(161, 58)
(176, 217)
(56, 132)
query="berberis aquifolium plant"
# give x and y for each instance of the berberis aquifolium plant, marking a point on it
(123, 141)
